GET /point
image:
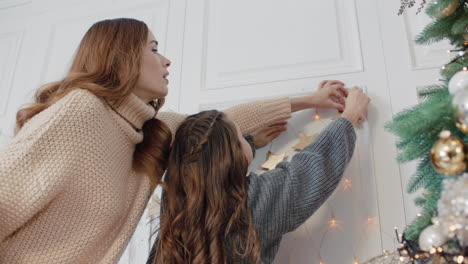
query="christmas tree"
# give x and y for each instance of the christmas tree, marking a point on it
(435, 133)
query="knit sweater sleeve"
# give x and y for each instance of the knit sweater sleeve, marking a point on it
(249, 116)
(36, 165)
(284, 198)
(255, 115)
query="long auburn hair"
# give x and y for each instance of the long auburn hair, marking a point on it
(107, 63)
(205, 218)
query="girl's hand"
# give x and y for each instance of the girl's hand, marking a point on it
(265, 135)
(356, 106)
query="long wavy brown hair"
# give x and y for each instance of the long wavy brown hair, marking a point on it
(107, 63)
(205, 217)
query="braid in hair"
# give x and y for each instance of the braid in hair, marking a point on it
(201, 129)
(205, 215)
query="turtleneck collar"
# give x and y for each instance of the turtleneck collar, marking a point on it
(134, 110)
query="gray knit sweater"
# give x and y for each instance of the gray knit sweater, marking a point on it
(284, 198)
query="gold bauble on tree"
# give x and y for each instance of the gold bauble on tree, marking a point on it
(449, 10)
(448, 155)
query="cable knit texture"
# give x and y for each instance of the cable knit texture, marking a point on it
(68, 193)
(284, 198)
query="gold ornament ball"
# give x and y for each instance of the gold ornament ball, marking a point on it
(463, 128)
(448, 155)
(449, 10)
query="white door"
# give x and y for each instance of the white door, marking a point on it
(237, 51)
(227, 52)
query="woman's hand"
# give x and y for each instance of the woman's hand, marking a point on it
(356, 106)
(330, 94)
(265, 135)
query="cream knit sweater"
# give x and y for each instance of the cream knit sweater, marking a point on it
(68, 193)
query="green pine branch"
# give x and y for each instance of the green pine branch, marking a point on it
(418, 128)
(430, 90)
(450, 27)
(454, 67)
(439, 30)
(460, 24)
(413, 230)
(428, 203)
(435, 7)
(425, 173)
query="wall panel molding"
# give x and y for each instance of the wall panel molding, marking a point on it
(10, 44)
(280, 54)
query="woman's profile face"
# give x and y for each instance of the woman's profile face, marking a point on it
(152, 82)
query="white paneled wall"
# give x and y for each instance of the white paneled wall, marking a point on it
(227, 52)
(256, 46)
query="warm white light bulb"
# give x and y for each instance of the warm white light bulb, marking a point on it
(371, 221)
(347, 184)
(333, 223)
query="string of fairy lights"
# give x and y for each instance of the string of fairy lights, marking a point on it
(334, 223)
